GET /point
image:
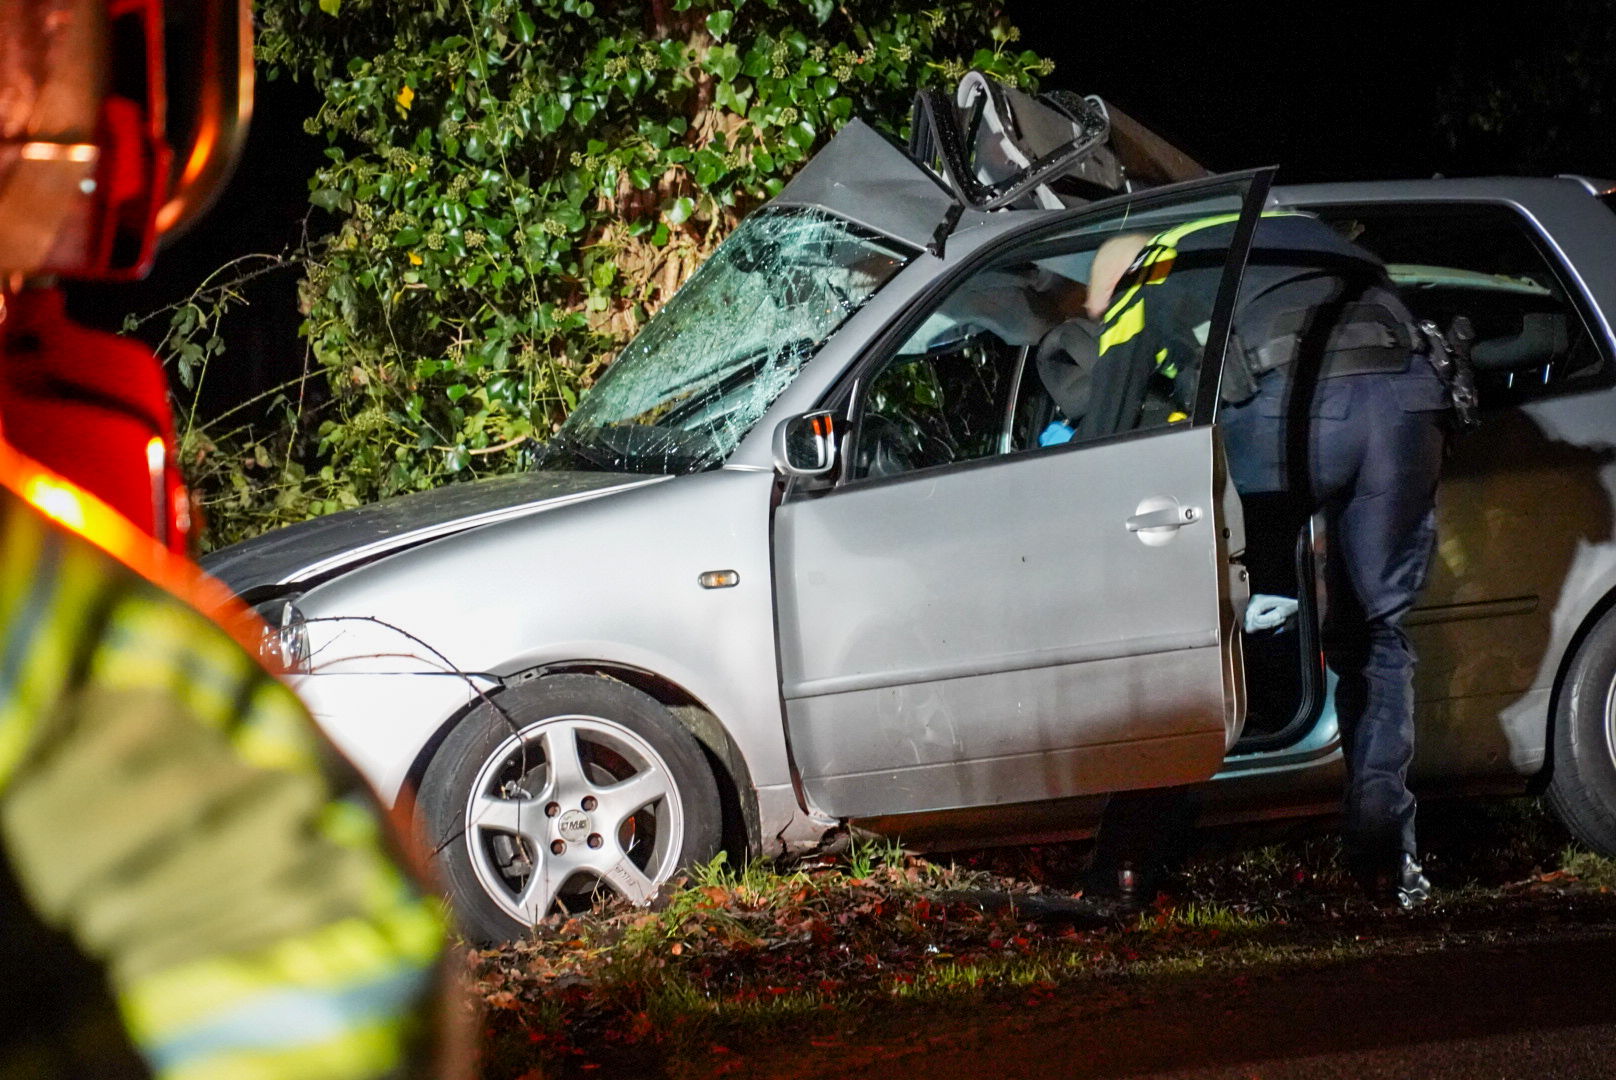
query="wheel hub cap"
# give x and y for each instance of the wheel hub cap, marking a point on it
(588, 802)
(574, 826)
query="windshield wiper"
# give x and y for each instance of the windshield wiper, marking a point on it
(792, 353)
(579, 453)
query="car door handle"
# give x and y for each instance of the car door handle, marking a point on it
(1168, 517)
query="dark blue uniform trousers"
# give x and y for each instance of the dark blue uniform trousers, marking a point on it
(1366, 449)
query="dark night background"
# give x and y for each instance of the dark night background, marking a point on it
(1326, 91)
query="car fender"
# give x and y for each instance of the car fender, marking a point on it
(401, 646)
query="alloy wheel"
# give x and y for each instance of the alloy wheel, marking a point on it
(566, 807)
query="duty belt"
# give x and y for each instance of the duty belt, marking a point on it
(1366, 338)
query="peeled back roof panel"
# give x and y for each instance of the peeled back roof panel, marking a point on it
(862, 177)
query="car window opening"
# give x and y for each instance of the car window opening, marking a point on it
(1004, 363)
(1483, 263)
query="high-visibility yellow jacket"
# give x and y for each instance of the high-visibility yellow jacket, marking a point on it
(166, 808)
(1158, 321)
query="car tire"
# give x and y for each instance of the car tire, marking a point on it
(1582, 789)
(574, 784)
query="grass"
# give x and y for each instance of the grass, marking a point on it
(1594, 871)
(1203, 915)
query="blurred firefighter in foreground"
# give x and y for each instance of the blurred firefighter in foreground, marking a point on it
(180, 875)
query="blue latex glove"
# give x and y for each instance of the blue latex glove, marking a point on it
(1266, 612)
(1055, 434)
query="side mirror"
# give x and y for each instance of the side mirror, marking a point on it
(805, 445)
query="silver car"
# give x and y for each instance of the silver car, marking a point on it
(809, 554)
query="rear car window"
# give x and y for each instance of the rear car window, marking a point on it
(1484, 262)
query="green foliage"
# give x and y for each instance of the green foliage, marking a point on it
(514, 186)
(251, 478)
(1595, 871)
(866, 855)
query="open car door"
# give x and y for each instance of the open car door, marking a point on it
(991, 621)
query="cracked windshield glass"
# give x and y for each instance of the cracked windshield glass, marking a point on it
(684, 392)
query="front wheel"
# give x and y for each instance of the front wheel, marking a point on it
(584, 784)
(1583, 787)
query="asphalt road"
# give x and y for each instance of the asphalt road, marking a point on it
(1539, 1005)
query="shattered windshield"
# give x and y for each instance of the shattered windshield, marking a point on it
(684, 392)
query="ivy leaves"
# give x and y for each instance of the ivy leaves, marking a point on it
(514, 186)
(719, 23)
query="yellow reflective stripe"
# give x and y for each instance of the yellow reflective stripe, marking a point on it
(14, 738)
(22, 542)
(161, 1006)
(1126, 318)
(1120, 304)
(52, 590)
(177, 651)
(1172, 236)
(1124, 326)
(83, 515)
(274, 732)
(372, 1050)
(352, 825)
(171, 649)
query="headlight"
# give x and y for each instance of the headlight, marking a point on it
(284, 644)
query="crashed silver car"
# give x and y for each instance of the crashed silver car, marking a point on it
(801, 560)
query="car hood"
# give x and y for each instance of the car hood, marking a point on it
(311, 551)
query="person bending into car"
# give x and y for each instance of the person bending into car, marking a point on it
(1324, 399)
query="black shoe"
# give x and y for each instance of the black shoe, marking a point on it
(1413, 887)
(1119, 886)
(1389, 879)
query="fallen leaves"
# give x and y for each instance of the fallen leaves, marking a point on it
(730, 952)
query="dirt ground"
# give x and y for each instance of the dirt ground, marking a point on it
(1522, 990)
